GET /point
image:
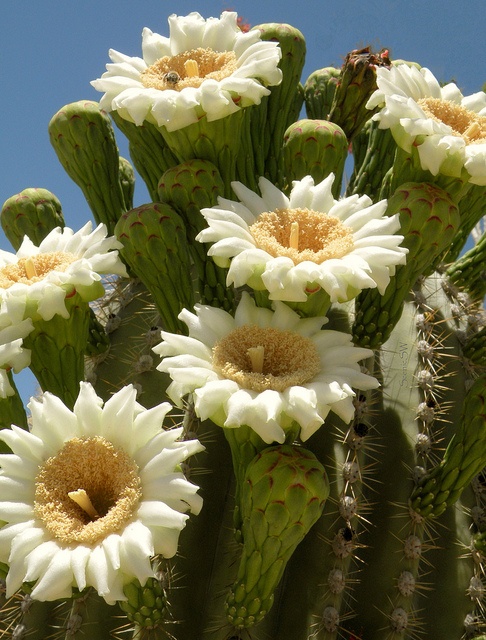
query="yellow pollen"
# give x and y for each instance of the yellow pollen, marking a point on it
(260, 358)
(464, 123)
(302, 234)
(294, 236)
(107, 502)
(81, 498)
(34, 268)
(190, 68)
(256, 355)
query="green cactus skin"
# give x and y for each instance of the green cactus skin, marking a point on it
(11, 412)
(319, 90)
(464, 458)
(373, 151)
(428, 221)
(84, 141)
(33, 213)
(188, 188)
(154, 245)
(468, 273)
(283, 496)
(316, 148)
(58, 347)
(146, 605)
(127, 182)
(148, 150)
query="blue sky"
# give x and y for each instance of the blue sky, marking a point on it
(51, 49)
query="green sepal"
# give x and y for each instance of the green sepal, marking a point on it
(33, 213)
(146, 605)
(155, 248)
(316, 148)
(282, 497)
(84, 141)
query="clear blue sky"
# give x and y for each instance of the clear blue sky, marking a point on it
(51, 49)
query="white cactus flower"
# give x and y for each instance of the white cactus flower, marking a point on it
(204, 68)
(90, 495)
(264, 369)
(447, 129)
(36, 281)
(293, 246)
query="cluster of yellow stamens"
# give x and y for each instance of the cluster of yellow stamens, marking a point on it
(260, 358)
(87, 491)
(301, 235)
(464, 123)
(34, 268)
(189, 69)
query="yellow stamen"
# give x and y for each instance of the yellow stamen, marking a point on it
(294, 236)
(81, 498)
(256, 355)
(191, 67)
(473, 131)
(30, 269)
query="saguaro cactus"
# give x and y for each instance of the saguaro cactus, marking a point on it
(262, 404)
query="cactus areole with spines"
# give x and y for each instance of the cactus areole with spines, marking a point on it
(262, 403)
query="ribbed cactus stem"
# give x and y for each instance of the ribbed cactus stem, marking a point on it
(188, 188)
(469, 271)
(428, 220)
(84, 141)
(270, 123)
(154, 246)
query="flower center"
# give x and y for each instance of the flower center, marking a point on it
(87, 491)
(34, 268)
(463, 122)
(189, 69)
(302, 234)
(260, 358)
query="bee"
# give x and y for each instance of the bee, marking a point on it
(172, 77)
